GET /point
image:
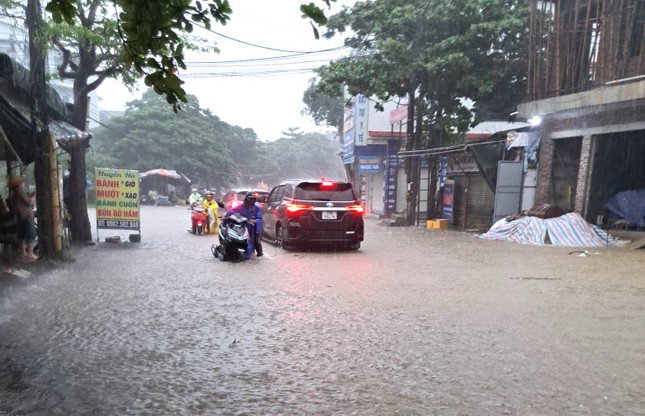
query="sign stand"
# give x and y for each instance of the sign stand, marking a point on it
(117, 200)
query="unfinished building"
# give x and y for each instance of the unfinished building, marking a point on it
(586, 84)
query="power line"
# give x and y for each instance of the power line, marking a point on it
(269, 58)
(258, 73)
(260, 46)
(257, 64)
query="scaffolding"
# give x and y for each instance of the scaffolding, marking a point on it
(576, 45)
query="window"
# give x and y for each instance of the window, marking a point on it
(315, 192)
(273, 195)
(288, 191)
(276, 194)
(361, 112)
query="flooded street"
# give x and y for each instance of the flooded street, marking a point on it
(417, 322)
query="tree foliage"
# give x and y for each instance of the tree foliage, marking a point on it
(151, 34)
(300, 155)
(148, 136)
(441, 51)
(323, 108)
(208, 150)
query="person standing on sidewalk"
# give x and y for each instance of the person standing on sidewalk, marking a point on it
(22, 205)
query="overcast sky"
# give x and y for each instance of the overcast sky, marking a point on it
(268, 104)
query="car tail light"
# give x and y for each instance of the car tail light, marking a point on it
(326, 184)
(234, 204)
(358, 208)
(292, 207)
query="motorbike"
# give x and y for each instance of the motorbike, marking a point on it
(234, 238)
(198, 218)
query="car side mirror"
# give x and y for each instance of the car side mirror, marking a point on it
(262, 199)
(221, 204)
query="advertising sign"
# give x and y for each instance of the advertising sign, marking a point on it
(448, 199)
(390, 182)
(399, 114)
(117, 199)
(369, 164)
(348, 147)
(462, 162)
(348, 120)
(361, 111)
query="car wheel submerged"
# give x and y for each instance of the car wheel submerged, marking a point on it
(279, 238)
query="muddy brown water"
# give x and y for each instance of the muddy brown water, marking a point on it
(416, 322)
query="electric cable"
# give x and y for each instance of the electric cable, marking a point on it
(261, 46)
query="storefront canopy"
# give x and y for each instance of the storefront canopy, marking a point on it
(15, 114)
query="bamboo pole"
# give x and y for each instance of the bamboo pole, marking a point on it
(571, 55)
(548, 63)
(584, 63)
(530, 85)
(556, 58)
(538, 72)
(642, 50)
(55, 194)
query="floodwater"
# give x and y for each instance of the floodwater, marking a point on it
(417, 322)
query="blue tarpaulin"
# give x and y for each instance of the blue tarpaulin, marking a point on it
(629, 205)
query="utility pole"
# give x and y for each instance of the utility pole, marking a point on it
(40, 130)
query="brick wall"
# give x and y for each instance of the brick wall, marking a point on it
(578, 120)
(584, 173)
(543, 190)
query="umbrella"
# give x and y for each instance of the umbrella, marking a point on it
(165, 173)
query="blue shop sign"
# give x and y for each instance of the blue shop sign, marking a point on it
(369, 164)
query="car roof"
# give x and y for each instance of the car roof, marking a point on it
(297, 182)
(240, 190)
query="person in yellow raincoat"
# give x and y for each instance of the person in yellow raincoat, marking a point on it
(211, 206)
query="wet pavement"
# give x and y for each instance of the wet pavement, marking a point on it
(417, 322)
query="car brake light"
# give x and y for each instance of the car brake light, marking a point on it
(359, 209)
(234, 204)
(293, 207)
(327, 184)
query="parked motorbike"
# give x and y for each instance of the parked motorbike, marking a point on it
(234, 238)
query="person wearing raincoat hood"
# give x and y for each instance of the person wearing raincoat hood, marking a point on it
(251, 211)
(195, 198)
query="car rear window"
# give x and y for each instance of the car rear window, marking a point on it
(316, 192)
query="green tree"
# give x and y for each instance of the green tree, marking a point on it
(299, 155)
(193, 141)
(151, 34)
(323, 108)
(437, 53)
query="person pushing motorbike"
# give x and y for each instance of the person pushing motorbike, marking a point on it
(251, 211)
(211, 207)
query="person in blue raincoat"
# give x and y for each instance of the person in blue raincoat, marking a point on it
(251, 211)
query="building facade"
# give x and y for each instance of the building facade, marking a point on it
(367, 141)
(587, 86)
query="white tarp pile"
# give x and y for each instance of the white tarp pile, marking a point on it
(569, 230)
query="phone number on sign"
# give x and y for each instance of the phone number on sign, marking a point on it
(128, 225)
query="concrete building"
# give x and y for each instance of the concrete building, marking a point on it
(367, 140)
(587, 85)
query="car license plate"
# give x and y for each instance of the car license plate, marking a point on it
(329, 215)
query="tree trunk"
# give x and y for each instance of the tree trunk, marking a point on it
(44, 146)
(412, 163)
(79, 225)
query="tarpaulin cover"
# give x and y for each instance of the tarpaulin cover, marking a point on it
(487, 156)
(629, 205)
(569, 230)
